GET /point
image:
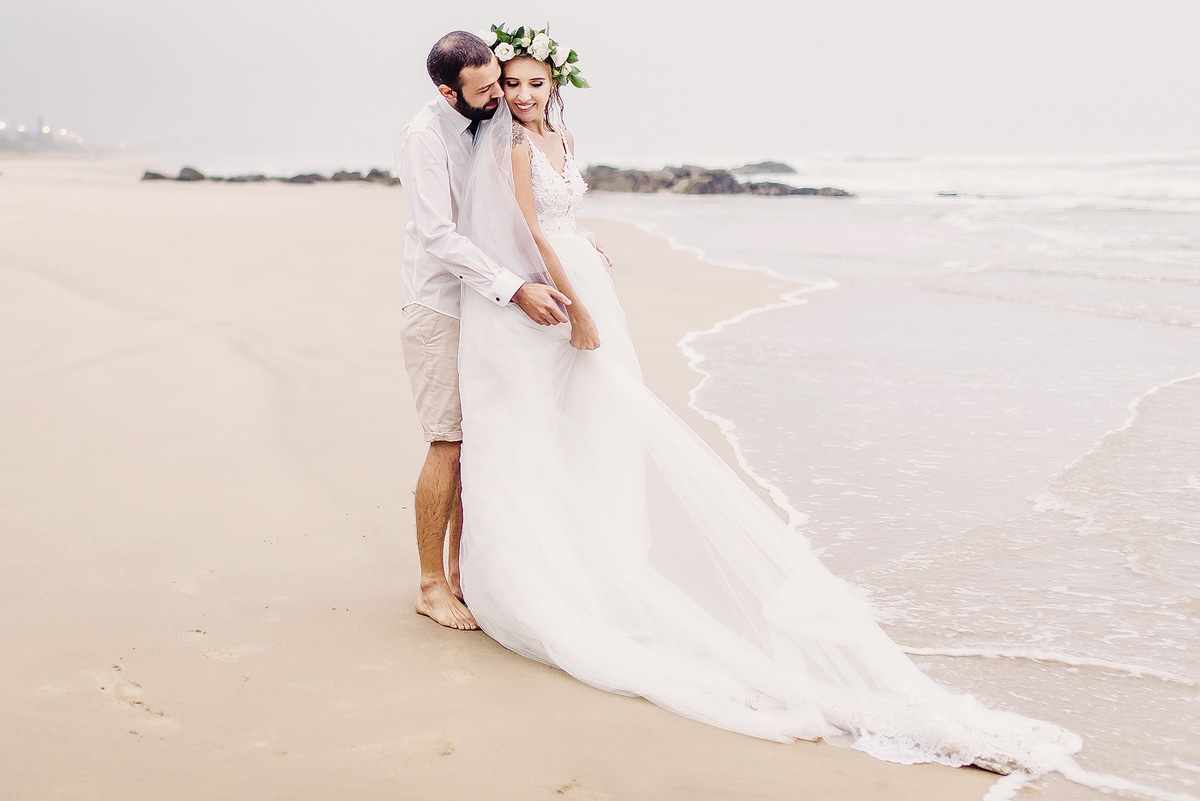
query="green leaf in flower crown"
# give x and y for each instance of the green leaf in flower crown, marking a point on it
(578, 81)
(571, 59)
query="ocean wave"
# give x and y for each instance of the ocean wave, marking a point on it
(1071, 660)
(695, 358)
(1177, 158)
(1049, 500)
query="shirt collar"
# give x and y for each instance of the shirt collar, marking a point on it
(457, 122)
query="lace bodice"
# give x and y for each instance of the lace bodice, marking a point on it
(557, 195)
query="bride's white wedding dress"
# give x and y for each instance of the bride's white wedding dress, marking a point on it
(605, 537)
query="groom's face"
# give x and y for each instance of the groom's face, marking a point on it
(479, 95)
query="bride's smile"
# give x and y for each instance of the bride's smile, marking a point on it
(528, 89)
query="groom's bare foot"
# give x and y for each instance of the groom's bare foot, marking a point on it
(438, 603)
(456, 585)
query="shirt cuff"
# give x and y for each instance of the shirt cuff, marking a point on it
(504, 287)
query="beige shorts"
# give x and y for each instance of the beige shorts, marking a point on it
(430, 344)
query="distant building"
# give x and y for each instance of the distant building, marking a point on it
(40, 138)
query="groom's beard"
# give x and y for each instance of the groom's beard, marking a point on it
(477, 113)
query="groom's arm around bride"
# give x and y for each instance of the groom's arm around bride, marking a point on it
(432, 158)
(426, 166)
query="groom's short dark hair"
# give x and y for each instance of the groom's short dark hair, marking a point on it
(454, 52)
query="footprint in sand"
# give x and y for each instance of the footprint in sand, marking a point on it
(128, 693)
(423, 746)
(431, 744)
(237, 652)
(574, 789)
(459, 676)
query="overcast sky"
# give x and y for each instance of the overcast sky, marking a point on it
(232, 83)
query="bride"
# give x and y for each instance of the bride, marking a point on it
(602, 536)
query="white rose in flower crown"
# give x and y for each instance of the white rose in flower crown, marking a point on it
(527, 41)
(560, 56)
(568, 69)
(540, 47)
(489, 37)
(505, 51)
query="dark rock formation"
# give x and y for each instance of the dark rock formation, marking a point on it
(685, 180)
(381, 177)
(375, 176)
(307, 178)
(764, 168)
(697, 181)
(771, 188)
(690, 180)
(610, 179)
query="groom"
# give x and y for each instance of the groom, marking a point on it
(432, 157)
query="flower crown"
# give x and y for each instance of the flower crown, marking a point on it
(525, 41)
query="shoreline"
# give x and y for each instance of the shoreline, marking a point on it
(695, 359)
(211, 378)
(1096, 775)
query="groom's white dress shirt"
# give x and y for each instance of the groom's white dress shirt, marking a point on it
(432, 157)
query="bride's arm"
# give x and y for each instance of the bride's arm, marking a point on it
(583, 330)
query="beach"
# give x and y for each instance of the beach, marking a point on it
(207, 452)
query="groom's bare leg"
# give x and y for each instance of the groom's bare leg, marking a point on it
(454, 540)
(436, 494)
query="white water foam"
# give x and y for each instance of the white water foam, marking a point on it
(1106, 782)
(695, 359)
(1134, 671)
(1134, 412)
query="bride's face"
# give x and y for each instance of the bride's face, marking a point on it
(527, 87)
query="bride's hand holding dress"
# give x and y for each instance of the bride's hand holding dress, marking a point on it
(584, 335)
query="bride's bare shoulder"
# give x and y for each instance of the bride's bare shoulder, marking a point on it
(519, 137)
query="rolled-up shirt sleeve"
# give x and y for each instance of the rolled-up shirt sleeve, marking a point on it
(424, 174)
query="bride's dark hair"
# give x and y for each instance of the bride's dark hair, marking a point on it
(555, 102)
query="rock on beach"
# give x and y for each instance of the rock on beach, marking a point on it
(691, 180)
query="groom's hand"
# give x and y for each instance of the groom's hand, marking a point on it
(540, 303)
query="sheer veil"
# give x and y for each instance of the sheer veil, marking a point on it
(490, 216)
(603, 536)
